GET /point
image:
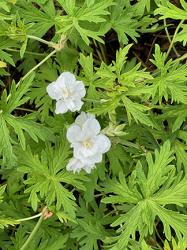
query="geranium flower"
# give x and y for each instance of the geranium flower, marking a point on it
(87, 142)
(76, 165)
(67, 92)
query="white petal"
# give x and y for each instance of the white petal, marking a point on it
(92, 125)
(71, 104)
(92, 155)
(78, 104)
(95, 158)
(88, 123)
(74, 165)
(61, 108)
(66, 82)
(80, 89)
(92, 159)
(74, 133)
(103, 143)
(80, 120)
(81, 151)
(67, 77)
(88, 168)
(53, 91)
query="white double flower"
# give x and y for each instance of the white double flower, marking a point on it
(67, 92)
(84, 135)
(87, 142)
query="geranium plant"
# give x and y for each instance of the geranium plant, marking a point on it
(93, 131)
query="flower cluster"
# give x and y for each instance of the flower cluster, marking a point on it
(67, 92)
(84, 135)
(87, 142)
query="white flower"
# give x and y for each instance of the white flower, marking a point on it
(76, 165)
(67, 92)
(87, 142)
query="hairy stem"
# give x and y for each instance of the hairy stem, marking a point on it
(50, 44)
(174, 36)
(34, 68)
(169, 38)
(38, 65)
(26, 52)
(30, 218)
(34, 231)
(98, 52)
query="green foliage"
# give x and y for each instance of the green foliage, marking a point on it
(147, 194)
(5, 221)
(88, 13)
(131, 56)
(46, 176)
(169, 10)
(8, 104)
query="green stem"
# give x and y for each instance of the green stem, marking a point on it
(169, 38)
(26, 52)
(174, 36)
(24, 109)
(158, 235)
(30, 218)
(50, 44)
(38, 65)
(98, 52)
(180, 58)
(91, 100)
(34, 68)
(34, 231)
(102, 52)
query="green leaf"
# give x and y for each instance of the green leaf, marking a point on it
(142, 197)
(106, 106)
(2, 190)
(79, 18)
(47, 176)
(121, 58)
(170, 81)
(68, 5)
(35, 130)
(171, 11)
(182, 35)
(136, 111)
(42, 19)
(171, 219)
(17, 93)
(124, 21)
(95, 12)
(5, 143)
(5, 222)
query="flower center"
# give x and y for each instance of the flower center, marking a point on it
(87, 144)
(67, 92)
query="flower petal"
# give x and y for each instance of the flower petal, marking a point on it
(78, 104)
(80, 120)
(88, 168)
(92, 159)
(88, 123)
(70, 103)
(74, 133)
(92, 126)
(80, 89)
(61, 107)
(53, 91)
(74, 165)
(103, 143)
(67, 77)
